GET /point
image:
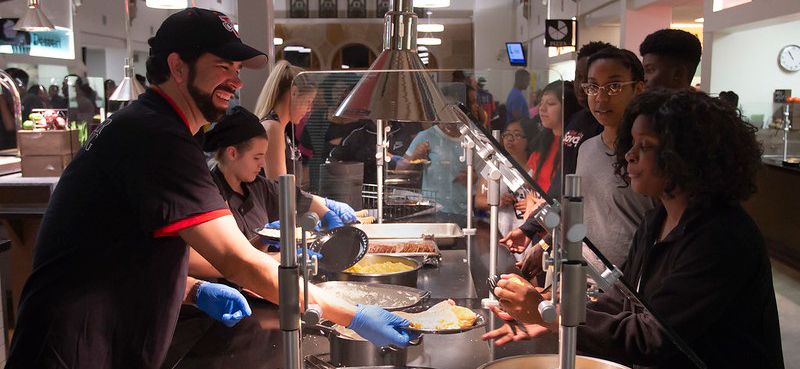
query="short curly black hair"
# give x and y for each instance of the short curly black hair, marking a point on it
(626, 57)
(676, 44)
(706, 150)
(591, 48)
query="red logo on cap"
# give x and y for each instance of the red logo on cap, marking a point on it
(228, 24)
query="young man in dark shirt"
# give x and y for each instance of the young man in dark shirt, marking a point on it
(670, 58)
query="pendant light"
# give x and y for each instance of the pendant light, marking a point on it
(396, 87)
(130, 88)
(34, 19)
(166, 4)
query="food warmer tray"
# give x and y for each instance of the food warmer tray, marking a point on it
(428, 258)
(389, 297)
(442, 233)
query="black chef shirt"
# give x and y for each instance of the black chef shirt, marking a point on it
(259, 204)
(710, 279)
(109, 272)
(359, 146)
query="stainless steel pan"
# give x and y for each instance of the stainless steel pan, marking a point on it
(389, 297)
(404, 278)
(548, 362)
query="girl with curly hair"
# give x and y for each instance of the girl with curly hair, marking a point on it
(690, 255)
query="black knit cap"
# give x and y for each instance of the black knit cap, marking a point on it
(205, 30)
(239, 126)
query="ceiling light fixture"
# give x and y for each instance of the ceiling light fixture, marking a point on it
(166, 4)
(686, 25)
(431, 3)
(430, 27)
(277, 41)
(430, 41)
(34, 20)
(700, 20)
(130, 88)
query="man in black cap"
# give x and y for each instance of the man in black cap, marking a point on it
(110, 262)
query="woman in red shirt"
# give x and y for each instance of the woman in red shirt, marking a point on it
(553, 111)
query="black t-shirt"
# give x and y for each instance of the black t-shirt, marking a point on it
(109, 272)
(581, 127)
(259, 205)
(294, 159)
(360, 144)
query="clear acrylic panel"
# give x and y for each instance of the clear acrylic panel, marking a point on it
(424, 169)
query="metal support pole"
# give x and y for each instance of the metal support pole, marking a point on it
(493, 198)
(573, 272)
(289, 274)
(787, 125)
(380, 154)
(468, 158)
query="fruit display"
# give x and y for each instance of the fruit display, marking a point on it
(47, 119)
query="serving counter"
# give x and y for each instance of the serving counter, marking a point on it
(775, 209)
(256, 342)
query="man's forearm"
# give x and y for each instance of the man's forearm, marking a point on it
(221, 243)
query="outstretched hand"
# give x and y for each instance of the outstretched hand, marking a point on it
(506, 334)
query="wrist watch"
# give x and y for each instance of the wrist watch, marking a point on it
(544, 245)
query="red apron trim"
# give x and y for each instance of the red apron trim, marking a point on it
(174, 106)
(172, 229)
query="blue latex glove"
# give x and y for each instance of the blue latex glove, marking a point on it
(274, 225)
(380, 326)
(395, 159)
(222, 303)
(344, 211)
(331, 220)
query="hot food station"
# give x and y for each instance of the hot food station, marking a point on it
(404, 256)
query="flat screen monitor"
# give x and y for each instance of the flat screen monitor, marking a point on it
(516, 54)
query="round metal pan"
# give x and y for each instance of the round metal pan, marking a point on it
(404, 278)
(389, 297)
(547, 361)
(479, 322)
(340, 248)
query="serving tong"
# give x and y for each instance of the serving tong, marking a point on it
(513, 323)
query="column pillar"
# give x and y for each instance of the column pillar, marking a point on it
(257, 29)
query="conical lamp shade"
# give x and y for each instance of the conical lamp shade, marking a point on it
(397, 88)
(128, 90)
(34, 20)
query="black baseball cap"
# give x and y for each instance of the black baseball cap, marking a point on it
(206, 30)
(238, 126)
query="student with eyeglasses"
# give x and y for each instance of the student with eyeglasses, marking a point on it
(512, 205)
(612, 211)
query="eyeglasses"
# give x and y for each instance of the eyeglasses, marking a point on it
(516, 136)
(612, 88)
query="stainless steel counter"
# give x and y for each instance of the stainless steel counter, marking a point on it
(256, 341)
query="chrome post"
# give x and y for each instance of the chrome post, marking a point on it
(787, 125)
(380, 154)
(469, 150)
(493, 198)
(289, 274)
(573, 272)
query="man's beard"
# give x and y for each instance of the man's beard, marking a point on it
(205, 101)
